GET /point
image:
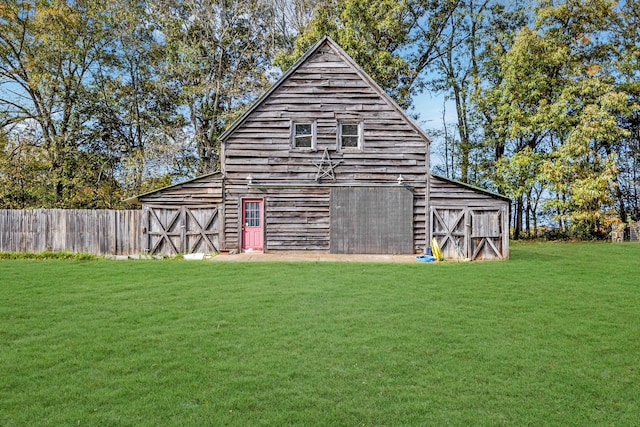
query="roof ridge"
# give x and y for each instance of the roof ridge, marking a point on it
(350, 61)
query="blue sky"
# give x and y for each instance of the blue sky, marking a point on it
(430, 108)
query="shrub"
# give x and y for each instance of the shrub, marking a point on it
(48, 255)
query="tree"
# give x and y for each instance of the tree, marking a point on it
(23, 171)
(290, 18)
(217, 55)
(520, 177)
(626, 38)
(555, 99)
(373, 33)
(458, 72)
(137, 118)
(48, 52)
(584, 167)
(467, 39)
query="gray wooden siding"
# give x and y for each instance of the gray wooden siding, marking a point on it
(447, 193)
(231, 209)
(325, 89)
(98, 232)
(297, 219)
(206, 190)
(328, 90)
(468, 223)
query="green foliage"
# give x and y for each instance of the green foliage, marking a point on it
(626, 38)
(136, 112)
(49, 51)
(86, 117)
(99, 101)
(583, 168)
(23, 174)
(217, 54)
(373, 33)
(558, 107)
(70, 256)
(516, 175)
(546, 338)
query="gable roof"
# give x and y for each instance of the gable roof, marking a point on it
(136, 199)
(472, 188)
(352, 64)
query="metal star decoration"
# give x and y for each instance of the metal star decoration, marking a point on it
(326, 166)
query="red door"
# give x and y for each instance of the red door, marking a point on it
(252, 228)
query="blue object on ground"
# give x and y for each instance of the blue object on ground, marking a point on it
(425, 258)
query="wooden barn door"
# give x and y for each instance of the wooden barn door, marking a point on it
(371, 220)
(468, 233)
(170, 230)
(449, 228)
(487, 233)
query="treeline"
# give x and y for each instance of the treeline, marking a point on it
(103, 100)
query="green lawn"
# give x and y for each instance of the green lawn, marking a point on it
(550, 337)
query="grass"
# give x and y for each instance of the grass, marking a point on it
(549, 337)
(48, 255)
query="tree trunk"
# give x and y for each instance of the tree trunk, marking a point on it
(517, 220)
(623, 210)
(528, 215)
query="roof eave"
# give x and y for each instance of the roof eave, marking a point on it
(473, 187)
(240, 120)
(378, 89)
(136, 199)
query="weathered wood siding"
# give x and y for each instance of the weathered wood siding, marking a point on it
(307, 228)
(447, 193)
(204, 190)
(170, 230)
(467, 222)
(325, 89)
(184, 218)
(98, 232)
(296, 218)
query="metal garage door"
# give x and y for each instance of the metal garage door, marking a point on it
(371, 220)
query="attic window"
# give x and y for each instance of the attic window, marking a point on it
(304, 135)
(350, 136)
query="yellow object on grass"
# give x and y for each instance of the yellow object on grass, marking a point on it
(435, 250)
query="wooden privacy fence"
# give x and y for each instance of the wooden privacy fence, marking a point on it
(98, 232)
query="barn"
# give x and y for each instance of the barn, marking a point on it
(325, 161)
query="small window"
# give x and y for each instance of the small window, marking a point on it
(350, 136)
(252, 214)
(304, 135)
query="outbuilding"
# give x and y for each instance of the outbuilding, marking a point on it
(325, 161)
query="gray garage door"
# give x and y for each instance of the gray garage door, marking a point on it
(371, 220)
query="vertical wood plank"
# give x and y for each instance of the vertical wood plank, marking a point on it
(505, 233)
(97, 232)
